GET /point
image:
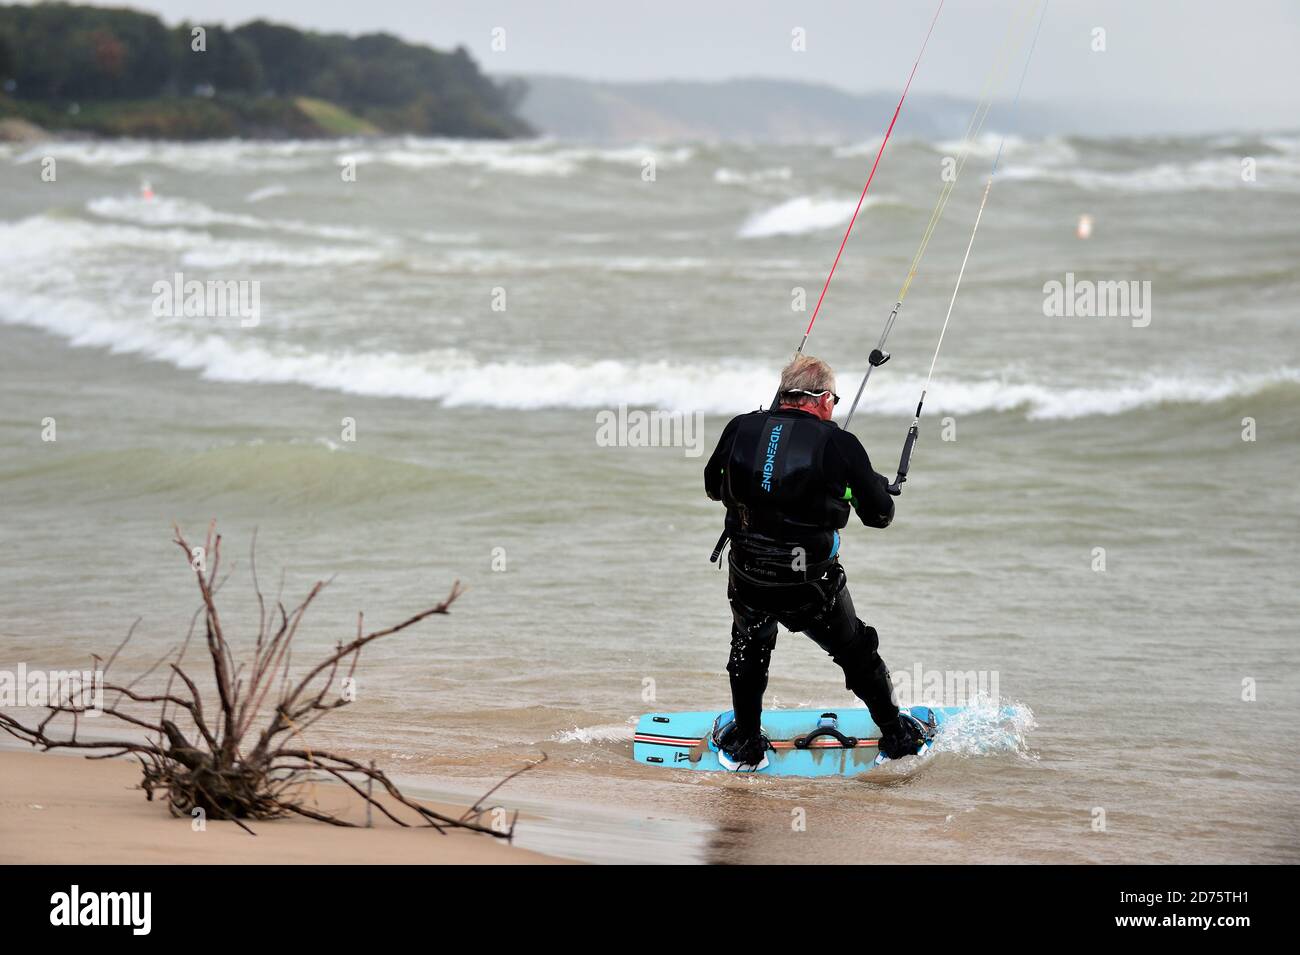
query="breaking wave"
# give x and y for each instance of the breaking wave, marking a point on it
(1219, 174)
(724, 176)
(457, 378)
(800, 216)
(266, 192)
(176, 211)
(539, 157)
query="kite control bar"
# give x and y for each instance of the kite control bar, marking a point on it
(904, 462)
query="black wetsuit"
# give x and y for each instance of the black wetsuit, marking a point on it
(788, 480)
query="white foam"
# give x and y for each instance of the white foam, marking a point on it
(35, 253)
(486, 160)
(161, 210)
(462, 260)
(868, 147)
(987, 726)
(38, 245)
(227, 254)
(459, 379)
(1285, 144)
(537, 157)
(735, 177)
(266, 192)
(1051, 152)
(1273, 173)
(45, 240)
(176, 210)
(611, 732)
(433, 237)
(799, 216)
(527, 158)
(231, 156)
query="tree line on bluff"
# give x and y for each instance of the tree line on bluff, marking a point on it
(119, 71)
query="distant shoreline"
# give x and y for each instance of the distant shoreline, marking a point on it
(124, 73)
(175, 119)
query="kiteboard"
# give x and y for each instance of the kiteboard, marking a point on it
(804, 742)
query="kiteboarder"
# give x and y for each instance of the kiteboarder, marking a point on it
(789, 477)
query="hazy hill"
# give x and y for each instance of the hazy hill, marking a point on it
(759, 110)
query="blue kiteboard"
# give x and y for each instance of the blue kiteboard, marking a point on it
(804, 742)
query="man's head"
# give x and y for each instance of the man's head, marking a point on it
(808, 383)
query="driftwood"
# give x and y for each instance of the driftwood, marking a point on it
(222, 759)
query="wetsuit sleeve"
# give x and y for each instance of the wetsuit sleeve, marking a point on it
(718, 461)
(874, 505)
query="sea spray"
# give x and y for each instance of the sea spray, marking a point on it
(985, 726)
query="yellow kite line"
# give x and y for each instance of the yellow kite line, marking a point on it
(1015, 34)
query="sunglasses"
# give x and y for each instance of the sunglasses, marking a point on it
(835, 399)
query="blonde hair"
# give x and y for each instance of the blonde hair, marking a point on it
(805, 373)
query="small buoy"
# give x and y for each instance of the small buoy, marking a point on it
(1084, 229)
(146, 191)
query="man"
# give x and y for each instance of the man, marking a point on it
(788, 478)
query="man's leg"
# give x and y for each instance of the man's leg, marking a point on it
(853, 645)
(753, 635)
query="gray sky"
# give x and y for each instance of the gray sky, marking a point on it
(1227, 59)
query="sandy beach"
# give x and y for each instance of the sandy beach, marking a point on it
(57, 809)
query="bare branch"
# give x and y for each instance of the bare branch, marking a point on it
(211, 768)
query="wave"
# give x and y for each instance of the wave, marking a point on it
(459, 261)
(230, 156)
(1222, 173)
(531, 158)
(41, 241)
(458, 379)
(45, 239)
(433, 237)
(800, 216)
(173, 210)
(487, 160)
(1048, 402)
(536, 157)
(867, 147)
(1050, 151)
(724, 176)
(266, 192)
(548, 157)
(222, 255)
(1142, 164)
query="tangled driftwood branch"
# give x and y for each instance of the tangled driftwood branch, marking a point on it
(218, 761)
